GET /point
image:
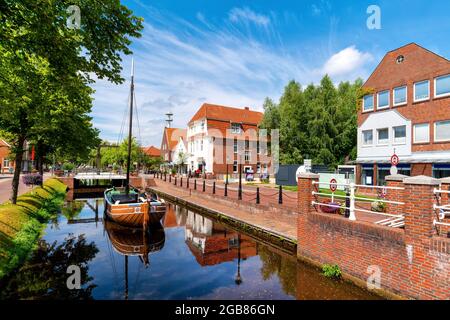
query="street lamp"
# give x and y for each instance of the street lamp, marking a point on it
(240, 178)
(226, 178)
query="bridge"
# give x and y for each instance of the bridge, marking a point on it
(99, 176)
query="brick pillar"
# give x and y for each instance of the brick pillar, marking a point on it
(445, 197)
(419, 212)
(395, 195)
(68, 181)
(305, 188)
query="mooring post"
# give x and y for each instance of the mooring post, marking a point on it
(280, 194)
(195, 184)
(226, 190)
(214, 187)
(204, 186)
(257, 195)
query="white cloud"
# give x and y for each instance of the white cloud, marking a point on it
(346, 62)
(246, 15)
(180, 65)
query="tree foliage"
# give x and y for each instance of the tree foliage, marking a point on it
(317, 122)
(46, 70)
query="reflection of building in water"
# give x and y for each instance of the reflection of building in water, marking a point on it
(212, 244)
(175, 216)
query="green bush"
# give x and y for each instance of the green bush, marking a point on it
(68, 166)
(331, 271)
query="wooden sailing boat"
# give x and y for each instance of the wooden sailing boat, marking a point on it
(128, 206)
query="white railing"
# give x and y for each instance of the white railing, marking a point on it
(444, 210)
(394, 220)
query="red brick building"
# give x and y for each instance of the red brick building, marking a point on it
(406, 110)
(220, 136)
(171, 138)
(6, 164)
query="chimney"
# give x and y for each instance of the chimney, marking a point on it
(247, 108)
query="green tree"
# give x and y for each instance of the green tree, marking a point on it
(318, 122)
(44, 64)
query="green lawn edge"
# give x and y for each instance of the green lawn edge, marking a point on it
(22, 224)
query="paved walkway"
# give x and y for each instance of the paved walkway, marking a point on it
(283, 224)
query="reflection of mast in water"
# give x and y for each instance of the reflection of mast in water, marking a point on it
(134, 242)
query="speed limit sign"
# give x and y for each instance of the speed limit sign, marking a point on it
(333, 185)
(394, 160)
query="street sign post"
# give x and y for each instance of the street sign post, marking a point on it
(394, 162)
(333, 187)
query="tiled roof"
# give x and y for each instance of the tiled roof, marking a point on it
(3, 143)
(217, 112)
(152, 151)
(173, 135)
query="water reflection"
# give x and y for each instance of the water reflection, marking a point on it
(44, 276)
(188, 256)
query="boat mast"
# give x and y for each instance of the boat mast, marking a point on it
(130, 129)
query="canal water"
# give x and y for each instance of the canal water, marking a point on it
(188, 256)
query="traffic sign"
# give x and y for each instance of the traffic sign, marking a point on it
(395, 160)
(333, 185)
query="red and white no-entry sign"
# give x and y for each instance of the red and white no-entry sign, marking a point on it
(333, 185)
(394, 160)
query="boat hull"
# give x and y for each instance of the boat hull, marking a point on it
(133, 214)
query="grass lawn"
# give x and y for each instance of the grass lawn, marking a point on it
(21, 224)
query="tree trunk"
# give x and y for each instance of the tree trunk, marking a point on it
(17, 169)
(40, 162)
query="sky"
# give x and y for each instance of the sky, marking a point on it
(237, 53)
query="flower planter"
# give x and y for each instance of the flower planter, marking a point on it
(331, 207)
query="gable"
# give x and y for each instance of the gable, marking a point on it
(418, 64)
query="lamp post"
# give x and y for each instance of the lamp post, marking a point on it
(240, 178)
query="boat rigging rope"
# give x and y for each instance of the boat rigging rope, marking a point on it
(124, 121)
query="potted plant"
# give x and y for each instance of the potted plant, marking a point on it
(330, 207)
(32, 180)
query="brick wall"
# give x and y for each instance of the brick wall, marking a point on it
(414, 262)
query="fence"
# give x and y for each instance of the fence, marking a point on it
(441, 222)
(350, 207)
(256, 195)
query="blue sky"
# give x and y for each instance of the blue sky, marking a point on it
(239, 52)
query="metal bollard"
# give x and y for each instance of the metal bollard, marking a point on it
(195, 184)
(187, 183)
(170, 178)
(280, 195)
(214, 187)
(204, 186)
(226, 190)
(181, 182)
(257, 195)
(175, 180)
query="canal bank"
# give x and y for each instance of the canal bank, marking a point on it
(270, 226)
(21, 225)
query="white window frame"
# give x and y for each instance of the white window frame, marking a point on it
(414, 132)
(362, 134)
(435, 125)
(6, 163)
(393, 135)
(414, 91)
(435, 82)
(378, 137)
(378, 100)
(234, 129)
(393, 97)
(373, 103)
(247, 156)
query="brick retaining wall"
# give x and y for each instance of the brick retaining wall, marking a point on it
(414, 262)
